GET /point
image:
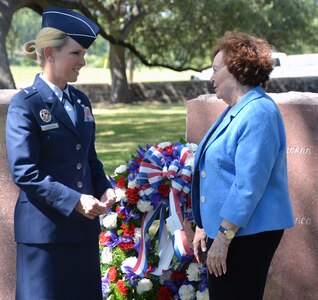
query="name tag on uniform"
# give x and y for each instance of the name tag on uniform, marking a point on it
(49, 126)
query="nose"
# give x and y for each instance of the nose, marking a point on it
(83, 62)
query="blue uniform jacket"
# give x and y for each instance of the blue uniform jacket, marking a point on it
(53, 163)
(240, 171)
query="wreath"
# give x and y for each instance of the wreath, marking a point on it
(144, 249)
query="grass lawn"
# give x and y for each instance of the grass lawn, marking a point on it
(121, 128)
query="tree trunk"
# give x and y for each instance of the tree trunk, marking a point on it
(6, 78)
(120, 91)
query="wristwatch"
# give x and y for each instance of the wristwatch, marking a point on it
(229, 233)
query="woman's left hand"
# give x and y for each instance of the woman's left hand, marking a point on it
(216, 259)
(109, 197)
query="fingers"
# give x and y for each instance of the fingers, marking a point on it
(203, 245)
(199, 247)
(90, 207)
(109, 195)
(216, 260)
(217, 267)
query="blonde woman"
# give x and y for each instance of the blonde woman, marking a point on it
(50, 138)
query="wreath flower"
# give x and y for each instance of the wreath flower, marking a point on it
(143, 245)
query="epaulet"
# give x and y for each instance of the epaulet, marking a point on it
(29, 91)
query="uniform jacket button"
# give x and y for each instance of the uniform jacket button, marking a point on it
(78, 146)
(79, 184)
(78, 166)
(202, 198)
(203, 174)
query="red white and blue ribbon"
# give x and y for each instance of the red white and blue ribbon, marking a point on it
(151, 175)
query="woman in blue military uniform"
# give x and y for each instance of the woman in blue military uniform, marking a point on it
(50, 137)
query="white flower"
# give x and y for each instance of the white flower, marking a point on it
(121, 169)
(164, 145)
(107, 256)
(193, 272)
(187, 292)
(137, 235)
(120, 194)
(193, 147)
(203, 295)
(128, 262)
(165, 276)
(132, 183)
(144, 285)
(110, 221)
(144, 206)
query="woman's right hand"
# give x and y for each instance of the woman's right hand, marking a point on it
(90, 207)
(199, 245)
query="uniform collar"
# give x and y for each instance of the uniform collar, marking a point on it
(57, 91)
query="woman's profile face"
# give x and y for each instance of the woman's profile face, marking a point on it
(223, 81)
(65, 63)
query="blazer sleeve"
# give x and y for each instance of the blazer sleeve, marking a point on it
(258, 145)
(23, 151)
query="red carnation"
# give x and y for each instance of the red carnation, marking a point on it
(132, 195)
(126, 246)
(112, 274)
(121, 287)
(169, 150)
(164, 190)
(180, 276)
(104, 238)
(138, 159)
(121, 183)
(129, 229)
(164, 293)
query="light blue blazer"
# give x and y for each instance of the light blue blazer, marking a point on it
(240, 171)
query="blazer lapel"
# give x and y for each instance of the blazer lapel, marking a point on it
(225, 119)
(57, 108)
(207, 136)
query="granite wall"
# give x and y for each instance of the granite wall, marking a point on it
(8, 197)
(181, 91)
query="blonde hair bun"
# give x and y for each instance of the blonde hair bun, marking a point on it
(29, 50)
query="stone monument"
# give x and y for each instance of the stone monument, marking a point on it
(8, 197)
(293, 273)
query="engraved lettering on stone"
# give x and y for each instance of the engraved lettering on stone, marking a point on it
(298, 150)
(303, 220)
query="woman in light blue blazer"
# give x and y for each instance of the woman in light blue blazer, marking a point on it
(240, 197)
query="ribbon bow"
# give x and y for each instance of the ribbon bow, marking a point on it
(152, 173)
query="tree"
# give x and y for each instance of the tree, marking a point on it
(179, 34)
(6, 79)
